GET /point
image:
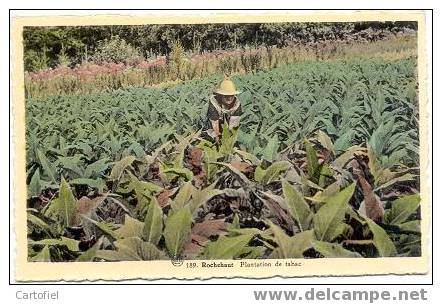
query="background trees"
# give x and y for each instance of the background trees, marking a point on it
(49, 46)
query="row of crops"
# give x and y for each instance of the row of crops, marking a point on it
(324, 165)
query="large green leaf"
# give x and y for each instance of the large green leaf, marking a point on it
(183, 196)
(325, 141)
(120, 166)
(332, 250)
(144, 191)
(324, 173)
(278, 199)
(47, 167)
(383, 177)
(177, 231)
(226, 247)
(274, 170)
(131, 228)
(63, 209)
(228, 139)
(402, 208)
(210, 158)
(98, 183)
(105, 227)
(247, 156)
(183, 142)
(381, 240)
(259, 173)
(298, 207)
(312, 160)
(43, 256)
(153, 223)
(328, 219)
(271, 148)
(282, 240)
(95, 169)
(245, 182)
(290, 247)
(200, 197)
(35, 186)
(71, 244)
(35, 220)
(117, 255)
(394, 180)
(142, 187)
(235, 222)
(89, 255)
(345, 157)
(131, 249)
(322, 196)
(411, 226)
(180, 171)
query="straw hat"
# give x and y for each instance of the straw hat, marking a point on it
(226, 87)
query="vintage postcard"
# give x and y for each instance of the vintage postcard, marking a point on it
(225, 145)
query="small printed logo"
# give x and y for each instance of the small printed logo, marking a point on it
(177, 261)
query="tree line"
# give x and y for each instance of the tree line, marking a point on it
(48, 46)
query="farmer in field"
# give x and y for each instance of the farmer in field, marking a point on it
(224, 106)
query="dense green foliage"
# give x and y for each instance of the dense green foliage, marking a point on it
(324, 165)
(115, 50)
(192, 199)
(353, 101)
(43, 45)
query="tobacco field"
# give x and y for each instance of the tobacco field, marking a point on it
(325, 164)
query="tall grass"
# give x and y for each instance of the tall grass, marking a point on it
(179, 66)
